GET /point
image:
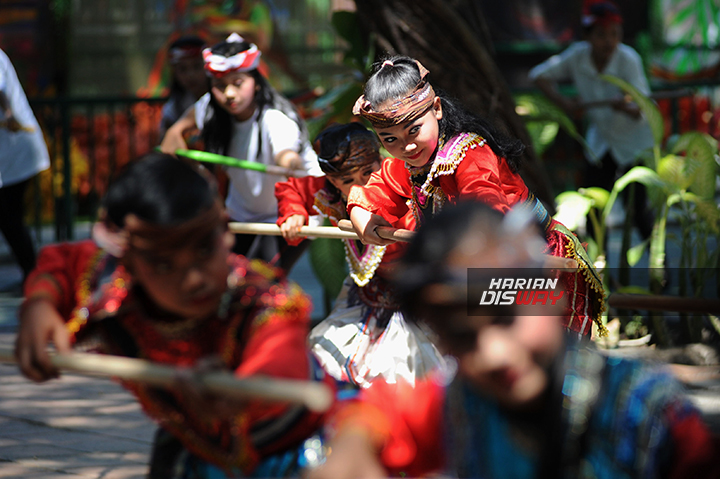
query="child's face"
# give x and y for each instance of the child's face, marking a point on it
(506, 357)
(190, 74)
(604, 39)
(235, 92)
(345, 181)
(188, 281)
(415, 141)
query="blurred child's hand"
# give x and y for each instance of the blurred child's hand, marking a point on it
(352, 456)
(207, 406)
(365, 224)
(290, 229)
(173, 141)
(40, 325)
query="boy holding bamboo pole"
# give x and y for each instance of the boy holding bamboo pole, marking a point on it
(165, 287)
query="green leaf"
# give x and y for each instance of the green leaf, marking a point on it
(640, 174)
(671, 168)
(647, 106)
(633, 290)
(701, 168)
(635, 253)
(599, 196)
(572, 208)
(327, 258)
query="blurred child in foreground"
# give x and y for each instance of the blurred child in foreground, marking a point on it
(166, 288)
(527, 399)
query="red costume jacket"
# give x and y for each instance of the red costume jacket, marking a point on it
(639, 425)
(465, 168)
(311, 196)
(261, 331)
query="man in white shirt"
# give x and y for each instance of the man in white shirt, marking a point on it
(617, 133)
(23, 154)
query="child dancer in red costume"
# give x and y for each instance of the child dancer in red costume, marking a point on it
(166, 288)
(365, 336)
(444, 154)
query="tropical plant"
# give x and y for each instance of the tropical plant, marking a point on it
(681, 177)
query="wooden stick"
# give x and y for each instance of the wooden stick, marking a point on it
(385, 232)
(660, 95)
(208, 157)
(27, 129)
(314, 396)
(274, 230)
(664, 303)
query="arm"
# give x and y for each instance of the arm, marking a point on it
(570, 106)
(49, 300)
(174, 138)
(393, 425)
(296, 198)
(11, 122)
(381, 202)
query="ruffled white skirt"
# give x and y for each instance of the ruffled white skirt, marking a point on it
(352, 347)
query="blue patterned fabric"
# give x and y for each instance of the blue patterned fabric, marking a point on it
(624, 426)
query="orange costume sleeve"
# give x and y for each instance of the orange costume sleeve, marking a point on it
(405, 422)
(386, 194)
(469, 173)
(297, 196)
(58, 272)
(481, 176)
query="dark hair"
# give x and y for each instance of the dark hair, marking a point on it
(217, 130)
(177, 92)
(334, 141)
(601, 11)
(423, 263)
(390, 82)
(160, 189)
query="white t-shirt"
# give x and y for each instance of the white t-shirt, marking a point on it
(608, 129)
(22, 154)
(251, 194)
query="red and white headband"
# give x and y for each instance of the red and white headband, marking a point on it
(219, 65)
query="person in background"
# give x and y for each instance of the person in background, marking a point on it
(365, 337)
(23, 154)
(245, 118)
(189, 81)
(617, 133)
(527, 400)
(163, 286)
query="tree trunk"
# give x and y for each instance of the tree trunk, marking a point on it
(451, 39)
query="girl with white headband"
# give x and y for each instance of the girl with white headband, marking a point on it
(244, 117)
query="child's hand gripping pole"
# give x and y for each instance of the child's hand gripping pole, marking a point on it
(208, 157)
(385, 232)
(550, 262)
(315, 396)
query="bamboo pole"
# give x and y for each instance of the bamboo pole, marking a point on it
(274, 230)
(315, 396)
(208, 157)
(651, 302)
(385, 232)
